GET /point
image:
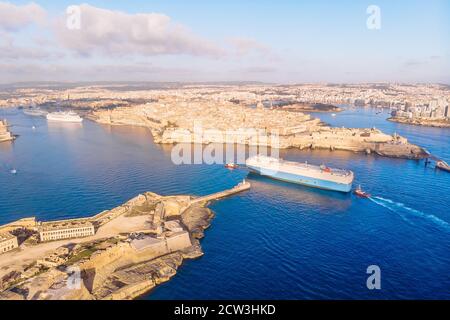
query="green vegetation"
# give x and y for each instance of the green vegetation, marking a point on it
(141, 210)
(81, 255)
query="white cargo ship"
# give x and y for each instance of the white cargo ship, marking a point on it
(306, 174)
(64, 117)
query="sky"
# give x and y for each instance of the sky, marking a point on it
(249, 40)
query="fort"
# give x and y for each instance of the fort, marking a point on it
(118, 254)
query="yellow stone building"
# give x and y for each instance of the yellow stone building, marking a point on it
(8, 242)
(5, 135)
(50, 231)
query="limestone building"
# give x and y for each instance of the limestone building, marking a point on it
(8, 242)
(5, 135)
(50, 231)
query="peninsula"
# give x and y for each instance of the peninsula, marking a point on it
(428, 122)
(173, 120)
(120, 253)
(311, 107)
(173, 111)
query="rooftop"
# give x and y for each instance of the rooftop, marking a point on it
(49, 226)
(6, 236)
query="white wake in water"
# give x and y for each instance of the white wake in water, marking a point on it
(406, 213)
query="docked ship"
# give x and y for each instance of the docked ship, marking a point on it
(35, 112)
(64, 117)
(306, 174)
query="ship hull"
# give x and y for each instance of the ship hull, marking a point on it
(302, 180)
(60, 119)
(35, 113)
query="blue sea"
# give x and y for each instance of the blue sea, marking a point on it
(276, 241)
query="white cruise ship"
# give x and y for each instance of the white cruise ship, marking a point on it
(36, 112)
(64, 117)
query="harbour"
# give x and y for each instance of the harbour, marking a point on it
(155, 150)
(276, 240)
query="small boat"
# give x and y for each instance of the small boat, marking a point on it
(443, 166)
(13, 171)
(231, 165)
(333, 114)
(360, 193)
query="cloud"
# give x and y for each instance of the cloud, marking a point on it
(135, 69)
(416, 63)
(247, 46)
(29, 71)
(9, 51)
(116, 33)
(13, 18)
(258, 69)
(15, 53)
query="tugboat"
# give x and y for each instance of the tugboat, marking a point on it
(231, 166)
(360, 193)
(443, 166)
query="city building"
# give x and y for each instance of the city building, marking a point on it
(50, 231)
(8, 242)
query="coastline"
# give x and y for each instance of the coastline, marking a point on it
(421, 122)
(311, 107)
(136, 247)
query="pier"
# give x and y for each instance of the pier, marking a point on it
(438, 163)
(431, 158)
(244, 185)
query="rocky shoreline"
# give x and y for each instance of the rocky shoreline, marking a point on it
(120, 262)
(422, 122)
(311, 107)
